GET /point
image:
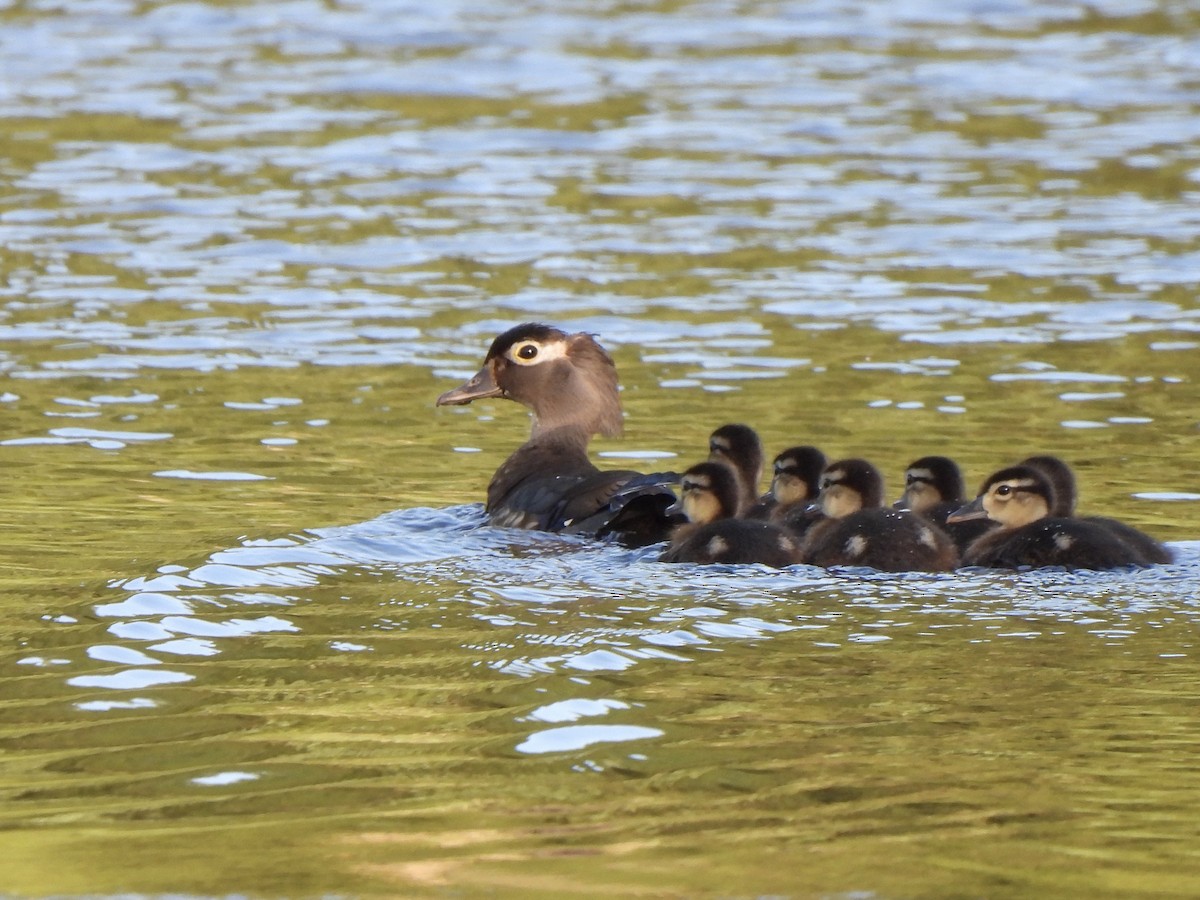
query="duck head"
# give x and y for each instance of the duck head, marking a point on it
(565, 379)
(849, 485)
(738, 446)
(1061, 477)
(1013, 497)
(929, 481)
(708, 492)
(797, 475)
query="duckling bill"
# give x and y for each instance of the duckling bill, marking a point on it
(569, 382)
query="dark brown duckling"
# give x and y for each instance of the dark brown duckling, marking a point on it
(739, 447)
(1021, 499)
(712, 535)
(933, 487)
(858, 531)
(548, 483)
(1065, 496)
(795, 483)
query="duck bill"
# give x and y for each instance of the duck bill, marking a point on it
(482, 385)
(973, 510)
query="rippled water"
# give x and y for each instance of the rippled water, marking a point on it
(259, 642)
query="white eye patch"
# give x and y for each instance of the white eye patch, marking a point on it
(531, 353)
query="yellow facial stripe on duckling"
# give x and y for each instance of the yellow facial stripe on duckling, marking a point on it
(1014, 503)
(533, 353)
(786, 488)
(700, 504)
(920, 495)
(838, 500)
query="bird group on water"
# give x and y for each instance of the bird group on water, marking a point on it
(817, 511)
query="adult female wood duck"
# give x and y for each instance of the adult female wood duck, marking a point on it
(739, 447)
(858, 531)
(712, 535)
(549, 484)
(1021, 499)
(933, 487)
(795, 483)
(1065, 496)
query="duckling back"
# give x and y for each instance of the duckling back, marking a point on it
(858, 531)
(733, 541)
(890, 540)
(1066, 543)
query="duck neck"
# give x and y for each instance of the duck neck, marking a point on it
(580, 398)
(548, 453)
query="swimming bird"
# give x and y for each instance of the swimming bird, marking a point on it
(933, 487)
(795, 483)
(570, 383)
(709, 496)
(1021, 499)
(739, 447)
(857, 531)
(1065, 496)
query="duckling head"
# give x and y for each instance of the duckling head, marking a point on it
(709, 491)
(849, 485)
(929, 481)
(1013, 497)
(1061, 477)
(565, 379)
(739, 447)
(797, 474)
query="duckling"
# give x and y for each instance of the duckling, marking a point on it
(1063, 481)
(933, 487)
(795, 483)
(858, 531)
(1021, 498)
(709, 496)
(739, 447)
(549, 484)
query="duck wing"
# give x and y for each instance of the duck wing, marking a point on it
(631, 507)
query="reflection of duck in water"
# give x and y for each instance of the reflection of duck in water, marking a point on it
(1063, 481)
(548, 483)
(739, 447)
(933, 487)
(858, 531)
(709, 498)
(1020, 499)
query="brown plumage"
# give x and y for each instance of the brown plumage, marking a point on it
(1065, 497)
(549, 484)
(857, 531)
(709, 496)
(933, 487)
(795, 483)
(1021, 499)
(739, 447)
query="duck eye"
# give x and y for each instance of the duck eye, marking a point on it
(1003, 490)
(527, 351)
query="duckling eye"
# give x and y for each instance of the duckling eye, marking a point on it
(527, 351)
(1003, 490)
